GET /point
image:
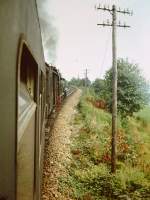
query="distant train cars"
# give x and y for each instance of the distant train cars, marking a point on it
(54, 88)
(30, 91)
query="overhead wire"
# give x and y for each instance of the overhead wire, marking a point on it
(103, 15)
(105, 53)
(110, 2)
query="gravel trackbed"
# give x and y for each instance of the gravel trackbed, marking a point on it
(57, 148)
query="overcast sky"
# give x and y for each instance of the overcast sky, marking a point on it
(82, 44)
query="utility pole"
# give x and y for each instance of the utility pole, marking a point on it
(114, 93)
(114, 26)
(86, 78)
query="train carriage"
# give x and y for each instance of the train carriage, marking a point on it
(54, 88)
(22, 100)
(30, 91)
(49, 89)
(56, 81)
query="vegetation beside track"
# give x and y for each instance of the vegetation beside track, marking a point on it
(89, 176)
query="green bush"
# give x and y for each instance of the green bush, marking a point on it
(133, 90)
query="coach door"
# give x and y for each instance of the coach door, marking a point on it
(27, 86)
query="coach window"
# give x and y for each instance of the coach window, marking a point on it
(42, 92)
(27, 97)
(28, 73)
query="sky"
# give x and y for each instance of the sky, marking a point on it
(82, 44)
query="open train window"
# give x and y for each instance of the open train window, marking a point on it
(41, 95)
(27, 88)
(28, 72)
(27, 124)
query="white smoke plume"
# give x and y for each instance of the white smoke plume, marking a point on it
(49, 32)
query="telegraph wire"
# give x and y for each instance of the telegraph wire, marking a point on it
(105, 54)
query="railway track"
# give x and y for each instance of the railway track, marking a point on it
(71, 90)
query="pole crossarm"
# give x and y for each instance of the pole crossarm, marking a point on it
(119, 25)
(125, 12)
(106, 8)
(123, 26)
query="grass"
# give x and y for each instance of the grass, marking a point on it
(144, 115)
(89, 176)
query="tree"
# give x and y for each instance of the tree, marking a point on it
(79, 82)
(133, 91)
(98, 86)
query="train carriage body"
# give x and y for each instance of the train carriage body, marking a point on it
(53, 88)
(22, 100)
(49, 89)
(56, 87)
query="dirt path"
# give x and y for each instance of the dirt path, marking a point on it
(58, 149)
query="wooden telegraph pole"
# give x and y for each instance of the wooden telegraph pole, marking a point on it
(114, 91)
(114, 26)
(86, 79)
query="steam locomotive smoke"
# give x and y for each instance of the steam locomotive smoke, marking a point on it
(49, 32)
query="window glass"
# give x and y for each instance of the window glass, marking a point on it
(24, 98)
